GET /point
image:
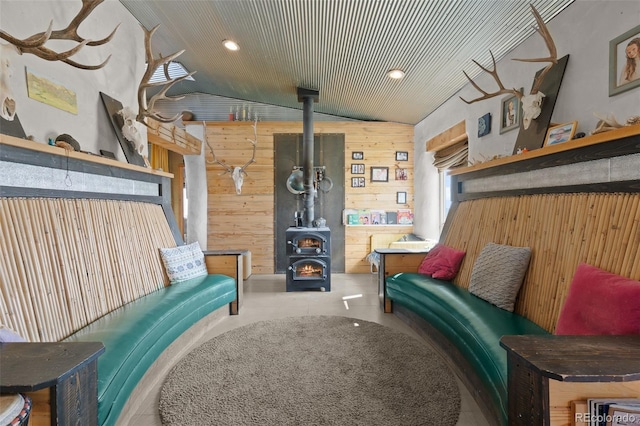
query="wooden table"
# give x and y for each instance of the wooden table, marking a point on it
(546, 373)
(393, 261)
(68, 369)
(230, 262)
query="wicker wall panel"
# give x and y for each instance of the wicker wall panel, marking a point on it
(562, 230)
(66, 262)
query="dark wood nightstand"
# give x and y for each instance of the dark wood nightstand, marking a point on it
(546, 373)
(68, 369)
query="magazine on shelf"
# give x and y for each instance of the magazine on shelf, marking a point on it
(348, 216)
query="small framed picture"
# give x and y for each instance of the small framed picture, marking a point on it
(402, 156)
(510, 113)
(484, 125)
(402, 174)
(357, 155)
(561, 133)
(357, 169)
(624, 54)
(379, 174)
(357, 182)
(401, 198)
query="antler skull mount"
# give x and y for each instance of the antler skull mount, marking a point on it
(531, 103)
(237, 173)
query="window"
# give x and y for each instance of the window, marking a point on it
(445, 196)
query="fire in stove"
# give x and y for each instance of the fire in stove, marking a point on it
(308, 270)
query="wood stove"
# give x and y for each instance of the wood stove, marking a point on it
(308, 245)
(309, 252)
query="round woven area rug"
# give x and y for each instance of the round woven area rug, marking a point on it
(317, 370)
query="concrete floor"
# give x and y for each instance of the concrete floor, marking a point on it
(265, 298)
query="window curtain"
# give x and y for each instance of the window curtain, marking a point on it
(453, 156)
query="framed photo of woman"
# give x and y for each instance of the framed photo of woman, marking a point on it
(624, 62)
(510, 113)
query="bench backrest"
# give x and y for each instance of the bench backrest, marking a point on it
(601, 229)
(66, 262)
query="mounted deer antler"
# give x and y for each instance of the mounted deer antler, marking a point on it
(236, 172)
(35, 43)
(147, 109)
(531, 103)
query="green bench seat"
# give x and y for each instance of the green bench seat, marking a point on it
(135, 334)
(473, 325)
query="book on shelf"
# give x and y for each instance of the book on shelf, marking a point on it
(350, 217)
(405, 217)
(378, 217)
(392, 218)
(364, 216)
(623, 414)
(599, 410)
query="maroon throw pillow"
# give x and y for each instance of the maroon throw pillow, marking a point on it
(442, 262)
(600, 302)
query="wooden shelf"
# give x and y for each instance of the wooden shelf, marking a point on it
(577, 150)
(55, 150)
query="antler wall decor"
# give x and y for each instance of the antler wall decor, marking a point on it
(35, 46)
(236, 172)
(531, 103)
(146, 109)
(35, 43)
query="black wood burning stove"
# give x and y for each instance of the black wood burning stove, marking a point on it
(308, 246)
(309, 252)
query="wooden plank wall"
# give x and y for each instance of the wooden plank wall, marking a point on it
(66, 262)
(562, 230)
(246, 221)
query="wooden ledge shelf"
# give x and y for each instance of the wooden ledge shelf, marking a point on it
(55, 150)
(623, 141)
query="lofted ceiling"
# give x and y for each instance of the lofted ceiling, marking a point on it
(342, 48)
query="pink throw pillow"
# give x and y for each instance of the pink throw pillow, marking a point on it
(442, 262)
(600, 302)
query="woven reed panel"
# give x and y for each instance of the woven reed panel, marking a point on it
(65, 263)
(562, 230)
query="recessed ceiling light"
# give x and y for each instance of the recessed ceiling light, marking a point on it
(231, 45)
(396, 74)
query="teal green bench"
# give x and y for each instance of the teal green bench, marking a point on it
(135, 334)
(471, 325)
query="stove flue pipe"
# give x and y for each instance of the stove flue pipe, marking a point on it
(308, 97)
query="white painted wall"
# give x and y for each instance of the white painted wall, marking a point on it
(118, 79)
(583, 31)
(195, 170)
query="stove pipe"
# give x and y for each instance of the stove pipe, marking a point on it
(308, 97)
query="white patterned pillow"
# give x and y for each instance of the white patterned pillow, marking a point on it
(183, 262)
(498, 274)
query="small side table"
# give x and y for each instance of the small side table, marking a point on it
(229, 262)
(393, 261)
(68, 369)
(545, 373)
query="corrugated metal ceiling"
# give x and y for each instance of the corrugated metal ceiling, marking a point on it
(343, 48)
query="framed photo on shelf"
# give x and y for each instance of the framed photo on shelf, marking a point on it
(357, 155)
(561, 133)
(401, 198)
(357, 182)
(510, 113)
(379, 174)
(357, 169)
(402, 174)
(402, 156)
(624, 50)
